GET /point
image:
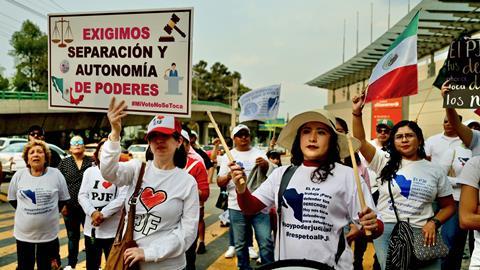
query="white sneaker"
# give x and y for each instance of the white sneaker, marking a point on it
(230, 252)
(68, 267)
(252, 253)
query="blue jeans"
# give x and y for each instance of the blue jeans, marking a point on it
(455, 239)
(248, 236)
(381, 249)
(261, 225)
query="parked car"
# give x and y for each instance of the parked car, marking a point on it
(91, 147)
(4, 142)
(12, 161)
(138, 151)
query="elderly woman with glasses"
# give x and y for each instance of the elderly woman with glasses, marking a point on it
(37, 192)
(415, 183)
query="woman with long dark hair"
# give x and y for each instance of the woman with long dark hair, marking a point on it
(167, 206)
(414, 181)
(320, 198)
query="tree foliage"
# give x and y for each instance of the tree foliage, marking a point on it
(30, 49)
(214, 84)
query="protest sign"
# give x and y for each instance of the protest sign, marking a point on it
(462, 69)
(142, 57)
(390, 109)
(260, 104)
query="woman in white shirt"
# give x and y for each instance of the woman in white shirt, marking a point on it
(320, 198)
(36, 192)
(102, 203)
(167, 206)
(415, 183)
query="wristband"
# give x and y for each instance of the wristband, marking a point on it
(357, 115)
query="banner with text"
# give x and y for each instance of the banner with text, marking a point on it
(142, 57)
(389, 109)
(260, 104)
(462, 69)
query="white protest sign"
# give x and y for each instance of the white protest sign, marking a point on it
(260, 104)
(142, 57)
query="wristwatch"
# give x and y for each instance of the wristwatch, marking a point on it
(436, 221)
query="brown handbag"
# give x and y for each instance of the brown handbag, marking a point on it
(121, 243)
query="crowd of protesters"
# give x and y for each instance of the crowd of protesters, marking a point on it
(308, 209)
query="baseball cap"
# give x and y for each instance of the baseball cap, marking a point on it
(385, 122)
(238, 128)
(37, 128)
(164, 124)
(185, 135)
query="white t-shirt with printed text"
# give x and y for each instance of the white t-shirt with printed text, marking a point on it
(98, 194)
(471, 176)
(37, 214)
(475, 144)
(314, 214)
(245, 159)
(455, 158)
(415, 187)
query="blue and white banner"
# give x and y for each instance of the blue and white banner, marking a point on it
(260, 104)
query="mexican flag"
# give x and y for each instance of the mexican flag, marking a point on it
(395, 75)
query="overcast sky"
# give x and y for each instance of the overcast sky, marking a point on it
(287, 42)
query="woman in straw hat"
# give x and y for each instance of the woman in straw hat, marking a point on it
(167, 206)
(415, 183)
(320, 198)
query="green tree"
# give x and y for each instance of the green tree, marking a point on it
(214, 84)
(30, 49)
(4, 83)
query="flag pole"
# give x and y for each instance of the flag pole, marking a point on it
(423, 104)
(361, 197)
(222, 141)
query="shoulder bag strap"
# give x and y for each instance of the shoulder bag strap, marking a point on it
(189, 168)
(287, 175)
(389, 183)
(133, 204)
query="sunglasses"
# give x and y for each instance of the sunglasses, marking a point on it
(75, 143)
(242, 134)
(35, 134)
(383, 130)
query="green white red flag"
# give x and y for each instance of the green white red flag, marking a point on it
(395, 75)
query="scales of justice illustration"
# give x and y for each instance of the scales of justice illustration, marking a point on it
(62, 36)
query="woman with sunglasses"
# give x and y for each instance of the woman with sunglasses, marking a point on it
(167, 205)
(415, 183)
(320, 198)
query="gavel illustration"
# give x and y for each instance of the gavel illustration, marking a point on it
(172, 25)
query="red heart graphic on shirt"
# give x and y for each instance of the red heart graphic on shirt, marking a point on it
(106, 184)
(151, 198)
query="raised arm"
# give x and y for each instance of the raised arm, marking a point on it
(367, 150)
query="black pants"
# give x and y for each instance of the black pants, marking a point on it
(44, 253)
(94, 248)
(359, 250)
(191, 255)
(73, 219)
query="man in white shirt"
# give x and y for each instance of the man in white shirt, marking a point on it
(383, 128)
(436, 145)
(247, 157)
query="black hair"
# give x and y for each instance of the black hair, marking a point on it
(36, 128)
(327, 165)
(179, 157)
(390, 170)
(96, 157)
(173, 64)
(275, 155)
(342, 123)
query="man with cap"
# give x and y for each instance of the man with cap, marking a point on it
(382, 129)
(247, 157)
(72, 169)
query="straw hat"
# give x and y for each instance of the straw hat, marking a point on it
(287, 136)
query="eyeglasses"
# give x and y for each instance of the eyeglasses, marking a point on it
(75, 143)
(408, 136)
(36, 134)
(383, 130)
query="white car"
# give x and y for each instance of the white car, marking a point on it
(138, 151)
(4, 142)
(12, 161)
